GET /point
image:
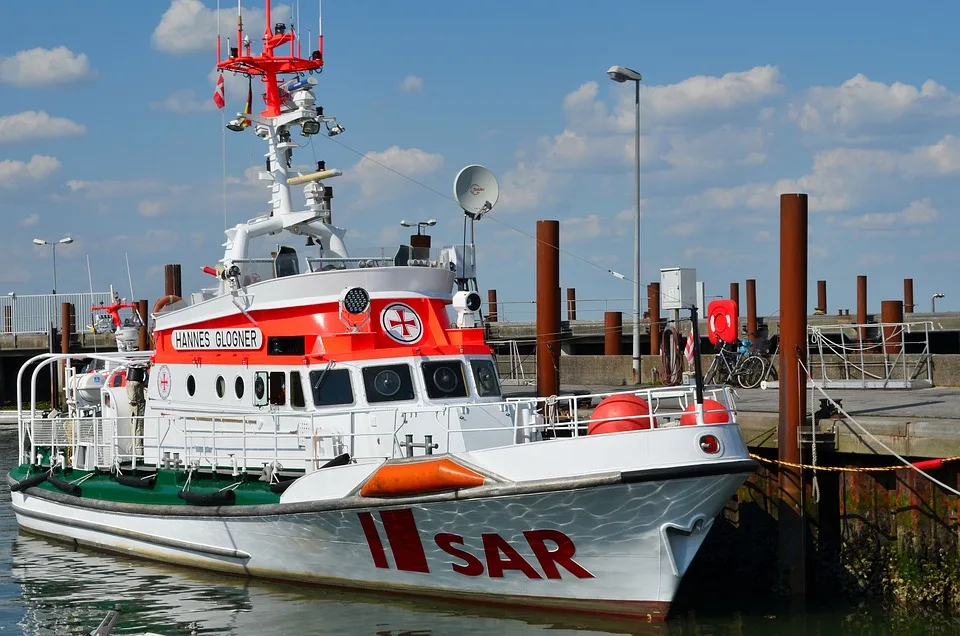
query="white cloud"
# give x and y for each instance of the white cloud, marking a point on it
(411, 84)
(527, 187)
(860, 102)
(13, 173)
(150, 208)
(917, 213)
(184, 102)
(30, 220)
(580, 228)
(374, 173)
(109, 188)
(34, 124)
(840, 178)
(45, 67)
(685, 228)
(188, 26)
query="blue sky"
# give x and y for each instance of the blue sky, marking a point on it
(108, 134)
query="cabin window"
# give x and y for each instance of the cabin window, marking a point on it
(191, 385)
(260, 388)
(389, 383)
(238, 387)
(277, 386)
(444, 379)
(485, 376)
(331, 387)
(296, 391)
(221, 386)
(286, 346)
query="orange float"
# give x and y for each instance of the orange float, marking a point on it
(713, 413)
(417, 478)
(722, 321)
(620, 413)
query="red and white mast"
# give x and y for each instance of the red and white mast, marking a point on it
(289, 103)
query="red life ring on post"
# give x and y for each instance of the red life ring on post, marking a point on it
(722, 321)
(164, 301)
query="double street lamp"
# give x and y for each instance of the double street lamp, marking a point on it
(53, 244)
(623, 74)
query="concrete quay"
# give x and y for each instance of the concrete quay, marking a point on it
(916, 423)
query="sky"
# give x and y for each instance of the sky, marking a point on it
(109, 135)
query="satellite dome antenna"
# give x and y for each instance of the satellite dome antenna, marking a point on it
(476, 190)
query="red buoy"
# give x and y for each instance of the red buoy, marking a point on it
(620, 413)
(713, 413)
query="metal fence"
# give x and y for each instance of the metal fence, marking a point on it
(36, 313)
(586, 308)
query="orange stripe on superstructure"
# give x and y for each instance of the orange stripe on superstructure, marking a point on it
(327, 338)
(413, 478)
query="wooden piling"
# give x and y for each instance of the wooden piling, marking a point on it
(792, 407)
(491, 305)
(144, 344)
(571, 303)
(548, 307)
(908, 296)
(653, 304)
(612, 332)
(862, 306)
(891, 313)
(735, 293)
(751, 309)
(821, 297)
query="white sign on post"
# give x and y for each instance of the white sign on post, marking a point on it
(191, 339)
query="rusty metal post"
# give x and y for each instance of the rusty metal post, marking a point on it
(7, 319)
(168, 282)
(66, 330)
(752, 309)
(792, 407)
(907, 296)
(653, 305)
(821, 296)
(177, 286)
(142, 310)
(491, 305)
(548, 308)
(891, 314)
(612, 332)
(735, 293)
(862, 305)
(571, 303)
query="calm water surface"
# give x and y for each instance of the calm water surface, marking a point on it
(49, 588)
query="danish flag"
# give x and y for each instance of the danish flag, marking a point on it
(218, 95)
(688, 350)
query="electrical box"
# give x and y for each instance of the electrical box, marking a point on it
(678, 287)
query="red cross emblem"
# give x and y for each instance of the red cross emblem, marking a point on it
(401, 323)
(163, 381)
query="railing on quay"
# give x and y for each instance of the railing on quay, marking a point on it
(34, 314)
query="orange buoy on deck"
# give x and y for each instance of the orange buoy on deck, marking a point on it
(620, 413)
(714, 412)
(415, 478)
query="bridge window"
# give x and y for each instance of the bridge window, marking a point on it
(296, 391)
(285, 346)
(444, 379)
(331, 387)
(389, 383)
(277, 385)
(485, 376)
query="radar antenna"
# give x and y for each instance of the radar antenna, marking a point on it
(477, 191)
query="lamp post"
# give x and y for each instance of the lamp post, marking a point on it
(53, 244)
(933, 302)
(623, 74)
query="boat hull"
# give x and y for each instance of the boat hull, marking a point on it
(610, 548)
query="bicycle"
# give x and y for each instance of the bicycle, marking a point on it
(738, 363)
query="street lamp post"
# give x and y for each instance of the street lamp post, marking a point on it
(53, 244)
(933, 302)
(623, 74)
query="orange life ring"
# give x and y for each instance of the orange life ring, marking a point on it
(164, 301)
(722, 321)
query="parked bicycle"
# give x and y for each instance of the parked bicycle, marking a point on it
(741, 363)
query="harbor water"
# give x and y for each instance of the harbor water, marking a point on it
(53, 588)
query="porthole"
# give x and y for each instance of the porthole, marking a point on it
(238, 387)
(221, 386)
(191, 385)
(259, 387)
(387, 382)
